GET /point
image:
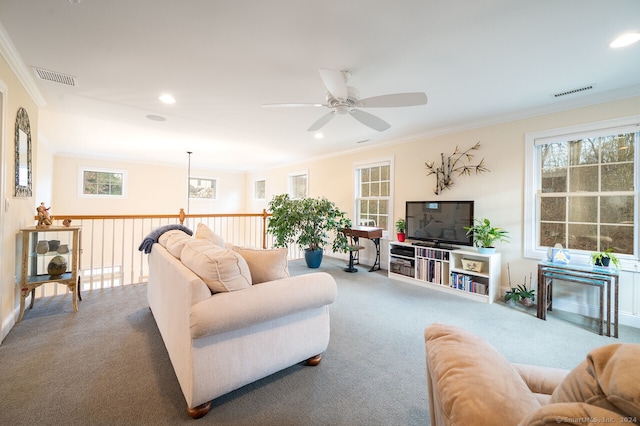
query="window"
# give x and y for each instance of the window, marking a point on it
(259, 189)
(373, 194)
(102, 182)
(202, 188)
(583, 181)
(298, 185)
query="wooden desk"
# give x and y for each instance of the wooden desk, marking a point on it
(605, 279)
(369, 232)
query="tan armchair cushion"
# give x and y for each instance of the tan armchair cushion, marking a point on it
(573, 413)
(265, 265)
(609, 378)
(221, 269)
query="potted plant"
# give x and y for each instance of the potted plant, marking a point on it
(401, 227)
(307, 222)
(520, 294)
(604, 258)
(485, 235)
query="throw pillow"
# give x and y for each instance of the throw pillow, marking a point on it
(174, 241)
(608, 378)
(221, 269)
(265, 265)
(205, 233)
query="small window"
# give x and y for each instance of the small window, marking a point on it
(102, 182)
(373, 194)
(259, 192)
(298, 185)
(202, 188)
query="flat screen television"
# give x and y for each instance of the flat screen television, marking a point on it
(439, 223)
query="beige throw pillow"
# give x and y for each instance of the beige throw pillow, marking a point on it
(205, 233)
(221, 269)
(174, 241)
(265, 265)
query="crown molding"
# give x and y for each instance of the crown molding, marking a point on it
(11, 55)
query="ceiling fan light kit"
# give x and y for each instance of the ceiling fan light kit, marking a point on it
(343, 99)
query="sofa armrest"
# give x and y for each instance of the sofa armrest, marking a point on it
(542, 380)
(234, 310)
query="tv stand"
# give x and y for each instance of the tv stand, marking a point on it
(450, 269)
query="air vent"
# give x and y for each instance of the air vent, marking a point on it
(55, 77)
(572, 91)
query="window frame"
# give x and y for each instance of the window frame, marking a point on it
(359, 165)
(83, 169)
(264, 182)
(532, 188)
(291, 175)
(212, 179)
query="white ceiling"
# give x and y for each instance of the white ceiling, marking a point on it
(479, 62)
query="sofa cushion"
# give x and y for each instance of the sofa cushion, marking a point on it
(174, 241)
(471, 382)
(221, 269)
(265, 265)
(572, 413)
(205, 233)
(608, 378)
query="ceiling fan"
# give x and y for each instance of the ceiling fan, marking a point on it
(343, 99)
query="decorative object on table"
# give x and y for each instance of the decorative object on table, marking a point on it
(473, 265)
(454, 164)
(57, 266)
(54, 244)
(307, 222)
(604, 258)
(557, 254)
(485, 235)
(42, 247)
(401, 228)
(67, 222)
(63, 249)
(44, 219)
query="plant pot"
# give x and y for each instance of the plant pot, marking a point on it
(486, 250)
(604, 262)
(527, 301)
(42, 247)
(401, 236)
(53, 245)
(313, 258)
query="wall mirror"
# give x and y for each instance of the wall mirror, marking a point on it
(23, 154)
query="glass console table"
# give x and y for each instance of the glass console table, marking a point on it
(605, 279)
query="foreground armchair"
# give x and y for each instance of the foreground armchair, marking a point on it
(470, 383)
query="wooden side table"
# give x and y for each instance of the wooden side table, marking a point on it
(34, 271)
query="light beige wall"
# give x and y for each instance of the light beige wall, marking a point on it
(151, 189)
(498, 194)
(16, 212)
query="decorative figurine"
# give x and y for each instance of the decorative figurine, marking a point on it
(66, 222)
(44, 220)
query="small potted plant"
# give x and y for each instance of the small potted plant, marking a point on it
(401, 227)
(604, 258)
(520, 294)
(485, 235)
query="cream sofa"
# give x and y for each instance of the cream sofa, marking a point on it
(470, 383)
(222, 324)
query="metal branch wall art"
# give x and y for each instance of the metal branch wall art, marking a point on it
(454, 164)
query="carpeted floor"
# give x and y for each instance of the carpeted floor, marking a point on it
(106, 364)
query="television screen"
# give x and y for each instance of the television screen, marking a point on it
(439, 222)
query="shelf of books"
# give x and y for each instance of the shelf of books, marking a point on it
(464, 273)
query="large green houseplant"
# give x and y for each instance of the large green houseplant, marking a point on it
(308, 223)
(485, 235)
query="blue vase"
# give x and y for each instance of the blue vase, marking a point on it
(313, 257)
(486, 250)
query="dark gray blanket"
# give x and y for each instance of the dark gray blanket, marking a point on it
(153, 236)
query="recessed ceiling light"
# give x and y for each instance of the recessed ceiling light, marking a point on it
(625, 40)
(318, 135)
(156, 117)
(167, 99)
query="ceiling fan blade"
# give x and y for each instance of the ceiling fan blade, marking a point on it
(370, 120)
(321, 122)
(292, 105)
(394, 100)
(335, 83)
